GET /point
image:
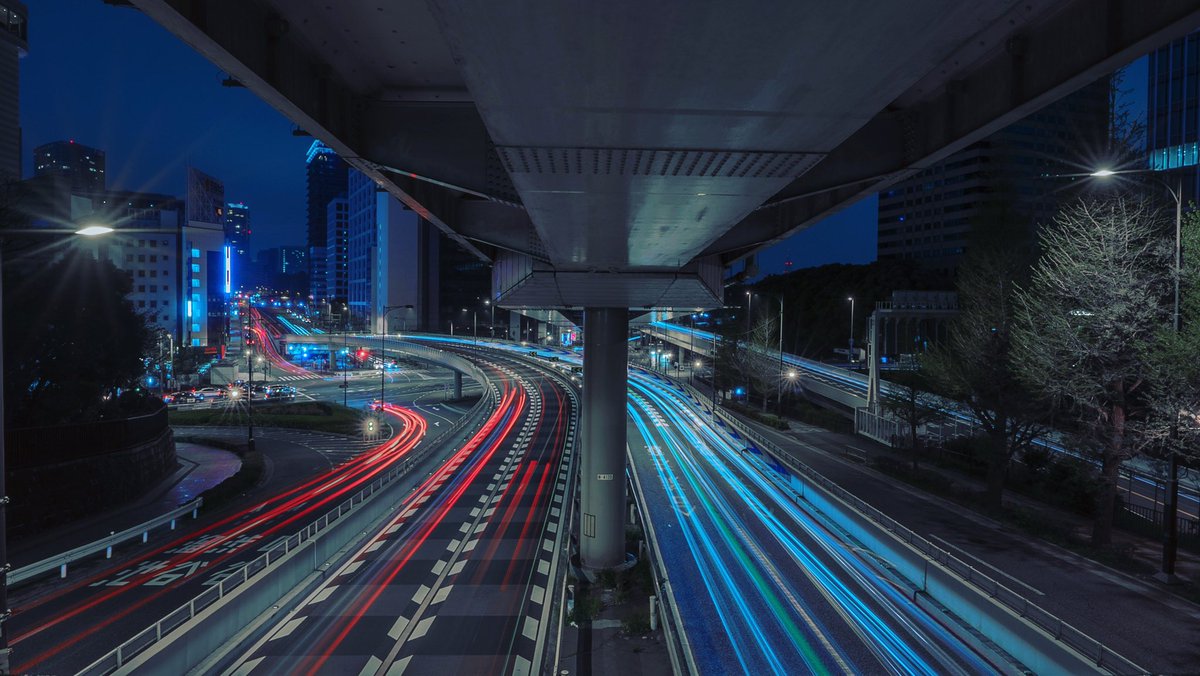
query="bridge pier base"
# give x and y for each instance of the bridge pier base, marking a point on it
(602, 457)
(457, 385)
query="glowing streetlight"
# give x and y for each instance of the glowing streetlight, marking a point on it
(94, 230)
(1102, 173)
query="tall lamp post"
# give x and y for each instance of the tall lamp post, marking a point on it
(5, 613)
(382, 339)
(850, 354)
(1171, 501)
(1170, 504)
(779, 402)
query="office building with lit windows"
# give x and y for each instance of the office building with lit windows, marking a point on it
(14, 44)
(1173, 113)
(325, 180)
(337, 254)
(927, 218)
(237, 237)
(75, 166)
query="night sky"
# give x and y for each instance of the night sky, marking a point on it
(113, 79)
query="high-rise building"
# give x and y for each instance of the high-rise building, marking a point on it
(390, 260)
(75, 166)
(293, 260)
(927, 218)
(1173, 112)
(326, 180)
(237, 237)
(14, 43)
(362, 234)
(146, 245)
(207, 260)
(337, 253)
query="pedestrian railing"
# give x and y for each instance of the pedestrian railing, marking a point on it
(105, 544)
(1041, 618)
(683, 661)
(248, 574)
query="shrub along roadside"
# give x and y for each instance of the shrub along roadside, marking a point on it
(317, 416)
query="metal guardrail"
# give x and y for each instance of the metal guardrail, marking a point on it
(1043, 619)
(683, 661)
(104, 544)
(119, 656)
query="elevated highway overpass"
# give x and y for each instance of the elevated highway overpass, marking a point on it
(609, 156)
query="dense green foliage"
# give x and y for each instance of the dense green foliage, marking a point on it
(71, 339)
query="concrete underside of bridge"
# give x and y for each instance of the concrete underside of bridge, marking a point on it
(621, 155)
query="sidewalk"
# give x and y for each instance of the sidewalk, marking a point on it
(1130, 613)
(200, 468)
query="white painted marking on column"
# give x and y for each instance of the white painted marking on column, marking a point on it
(288, 628)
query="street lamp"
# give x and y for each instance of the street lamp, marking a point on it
(93, 230)
(748, 297)
(1171, 503)
(850, 354)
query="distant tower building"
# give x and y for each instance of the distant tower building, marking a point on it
(362, 234)
(326, 178)
(206, 263)
(75, 166)
(927, 218)
(337, 253)
(1173, 112)
(237, 237)
(293, 260)
(14, 43)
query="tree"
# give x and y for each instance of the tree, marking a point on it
(1095, 297)
(757, 360)
(71, 338)
(907, 399)
(974, 365)
(1172, 357)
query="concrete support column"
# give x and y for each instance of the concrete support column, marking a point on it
(457, 385)
(602, 458)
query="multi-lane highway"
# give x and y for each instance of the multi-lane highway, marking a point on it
(770, 587)
(459, 580)
(1140, 488)
(67, 626)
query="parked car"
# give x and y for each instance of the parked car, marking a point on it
(212, 392)
(281, 392)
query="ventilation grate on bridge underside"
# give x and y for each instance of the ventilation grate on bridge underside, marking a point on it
(655, 162)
